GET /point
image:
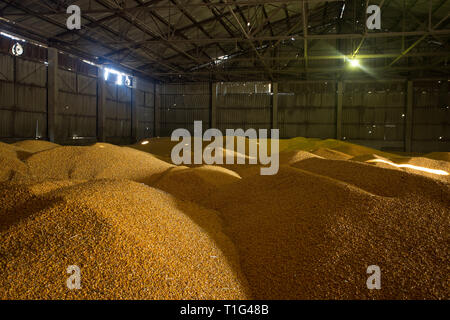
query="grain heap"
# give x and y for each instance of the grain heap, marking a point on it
(10, 162)
(206, 179)
(331, 154)
(222, 232)
(443, 156)
(34, 146)
(304, 235)
(95, 162)
(130, 241)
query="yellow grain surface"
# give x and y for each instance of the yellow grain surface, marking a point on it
(444, 156)
(142, 228)
(130, 241)
(311, 234)
(95, 162)
(34, 146)
(10, 163)
(331, 154)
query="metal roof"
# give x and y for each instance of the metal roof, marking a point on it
(222, 40)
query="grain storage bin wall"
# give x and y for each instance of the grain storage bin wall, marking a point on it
(307, 109)
(145, 104)
(182, 104)
(246, 105)
(23, 98)
(76, 112)
(118, 113)
(431, 116)
(374, 114)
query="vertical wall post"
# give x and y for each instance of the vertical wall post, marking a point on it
(157, 115)
(13, 133)
(213, 111)
(409, 116)
(101, 105)
(134, 113)
(275, 105)
(443, 93)
(340, 98)
(52, 88)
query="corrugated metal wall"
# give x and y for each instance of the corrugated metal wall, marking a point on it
(307, 110)
(244, 105)
(182, 104)
(23, 103)
(374, 114)
(431, 116)
(23, 98)
(118, 114)
(76, 114)
(145, 104)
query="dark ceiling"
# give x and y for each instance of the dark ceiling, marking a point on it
(232, 40)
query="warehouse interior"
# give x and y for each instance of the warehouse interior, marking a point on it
(87, 179)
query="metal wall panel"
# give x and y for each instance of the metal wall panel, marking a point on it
(23, 98)
(23, 104)
(145, 104)
(375, 113)
(6, 67)
(8, 96)
(431, 116)
(118, 114)
(31, 99)
(182, 104)
(244, 106)
(307, 109)
(31, 73)
(77, 107)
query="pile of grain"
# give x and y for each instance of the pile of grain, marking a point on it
(376, 180)
(194, 183)
(141, 227)
(442, 156)
(11, 151)
(95, 162)
(414, 165)
(331, 154)
(130, 241)
(304, 235)
(307, 144)
(11, 165)
(34, 146)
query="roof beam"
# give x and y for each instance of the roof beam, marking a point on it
(107, 18)
(164, 21)
(268, 70)
(147, 31)
(195, 22)
(330, 70)
(117, 11)
(224, 25)
(84, 36)
(31, 34)
(312, 37)
(415, 44)
(233, 39)
(266, 16)
(305, 32)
